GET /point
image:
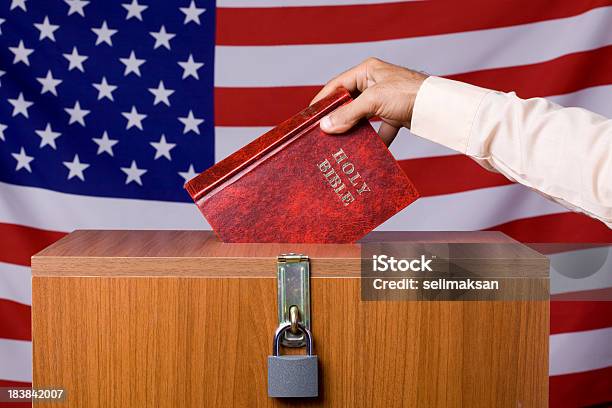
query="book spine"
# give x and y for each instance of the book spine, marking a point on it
(265, 146)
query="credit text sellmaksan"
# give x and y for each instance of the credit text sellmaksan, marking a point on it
(385, 263)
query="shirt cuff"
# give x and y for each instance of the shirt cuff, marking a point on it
(444, 111)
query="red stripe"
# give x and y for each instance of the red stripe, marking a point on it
(569, 73)
(16, 320)
(6, 383)
(375, 22)
(581, 389)
(449, 174)
(565, 74)
(573, 316)
(548, 248)
(23, 242)
(235, 106)
(603, 294)
(16, 404)
(563, 227)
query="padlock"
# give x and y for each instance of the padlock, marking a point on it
(293, 375)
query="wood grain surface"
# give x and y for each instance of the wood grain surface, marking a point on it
(200, 253)
(202, 341)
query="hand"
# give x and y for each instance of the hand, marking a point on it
(386, 90)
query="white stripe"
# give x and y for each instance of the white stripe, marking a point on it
(50, 210)
(581, 270)
(229, 139)
(15, 283)
(298, 3)
(66, 212)
(496, 205)
(406, 146)
(580, 351)
(15, 360)
(596, 99)
(446, 54)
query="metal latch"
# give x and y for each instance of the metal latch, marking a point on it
(293, 274)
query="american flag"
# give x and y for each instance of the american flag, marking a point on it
(108, 107)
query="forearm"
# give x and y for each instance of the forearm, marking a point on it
(564, 153)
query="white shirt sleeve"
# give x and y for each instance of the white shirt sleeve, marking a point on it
(564, 153)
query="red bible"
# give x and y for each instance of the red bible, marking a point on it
(297, 184)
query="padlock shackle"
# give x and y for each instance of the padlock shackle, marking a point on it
(282, 329)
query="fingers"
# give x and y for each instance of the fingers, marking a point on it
(326, 90)
(387, 132)
(354, 79)
(346, 116)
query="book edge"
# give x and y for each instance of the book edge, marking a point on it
(226, 169)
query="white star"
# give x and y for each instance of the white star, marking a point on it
(23, 160)
(76, 168)
(134, 10)
(48, 136)
(190, 67)
(1, 22)
(132, 64)
(75, 60)
(162, 38)
(21, 53)
(77, 6)
(162, 148)
(189, 174)
(133, 173)
(105, 145)
(1, 75)
(134, 118)
(20, 105)
(2, 129)
(105, 90)
(46, 29)
(161, 94)
(192, 13)
(77, 114)
(191, 123)
(49, 83)
(104, 34)
(18, 3)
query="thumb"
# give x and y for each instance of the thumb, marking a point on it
(346, 116)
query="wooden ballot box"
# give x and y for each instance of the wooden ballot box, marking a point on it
(179, 319)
